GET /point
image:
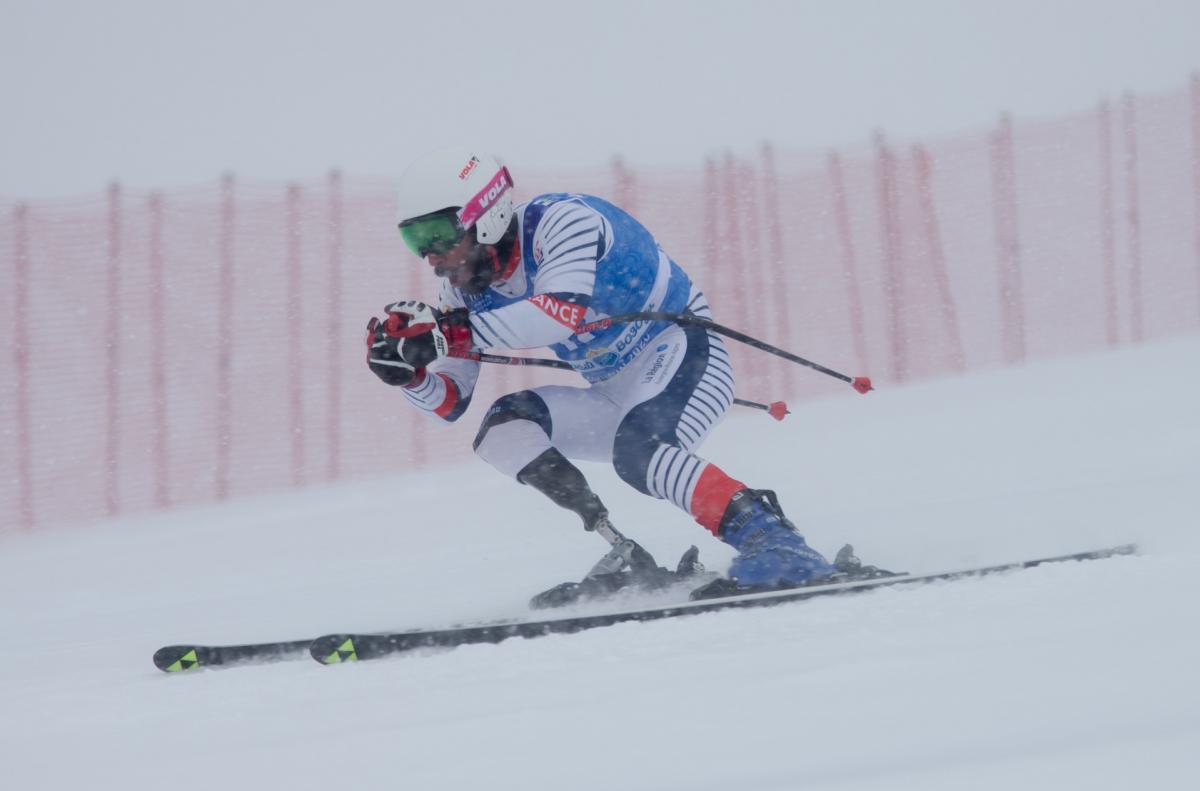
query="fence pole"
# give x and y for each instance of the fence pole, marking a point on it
(623, 186)
(158, 357)
(333, 420)
(1108, 233)
(937, 257)
(893, 263)
(731, 259)
(841, 218)
(1008, 255)
(1196, 178)
(225, 292)
(753, 283)
(295, 318)
(112, 336)
(710, 253)
(784, 374)
(1136, 316)
(756, 274)
(418, 442)
(21, 336)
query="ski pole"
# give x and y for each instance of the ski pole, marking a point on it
(776, 409)
(860, 383)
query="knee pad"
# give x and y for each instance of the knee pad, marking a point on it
(515, 430)
(525, 405)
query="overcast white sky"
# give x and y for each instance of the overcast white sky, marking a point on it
(159, 93)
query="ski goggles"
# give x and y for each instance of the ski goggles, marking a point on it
(433, 233)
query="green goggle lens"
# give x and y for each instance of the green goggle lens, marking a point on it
(435, 234)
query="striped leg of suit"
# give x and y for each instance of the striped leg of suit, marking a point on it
(653, 449)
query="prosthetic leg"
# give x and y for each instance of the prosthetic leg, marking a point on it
(626, 564)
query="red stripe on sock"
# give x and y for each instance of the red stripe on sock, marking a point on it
(711, 497)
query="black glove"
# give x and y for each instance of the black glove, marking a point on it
(411, 337)
(384, 358)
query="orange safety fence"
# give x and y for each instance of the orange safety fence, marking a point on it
(190, 345)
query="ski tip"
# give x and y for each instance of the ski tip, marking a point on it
(334, 649)
(1100, 554)
(178, 658)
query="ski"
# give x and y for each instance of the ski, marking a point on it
(334, 649)
(179, 658)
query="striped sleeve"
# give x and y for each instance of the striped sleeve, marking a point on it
(443, 391)
(571, 239)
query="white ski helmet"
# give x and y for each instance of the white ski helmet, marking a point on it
(473, 183)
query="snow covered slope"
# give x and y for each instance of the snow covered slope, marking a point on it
(1075, 676)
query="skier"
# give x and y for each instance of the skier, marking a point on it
(525, 277)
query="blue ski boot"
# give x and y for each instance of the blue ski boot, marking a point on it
(771, 552)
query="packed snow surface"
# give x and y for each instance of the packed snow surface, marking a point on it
(1067, 676)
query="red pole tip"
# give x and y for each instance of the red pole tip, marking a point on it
(862, 384)
(778, 410)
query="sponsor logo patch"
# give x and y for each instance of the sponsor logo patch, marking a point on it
(467, 168)
(654, 369)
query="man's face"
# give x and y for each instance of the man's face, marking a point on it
(454, 264)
